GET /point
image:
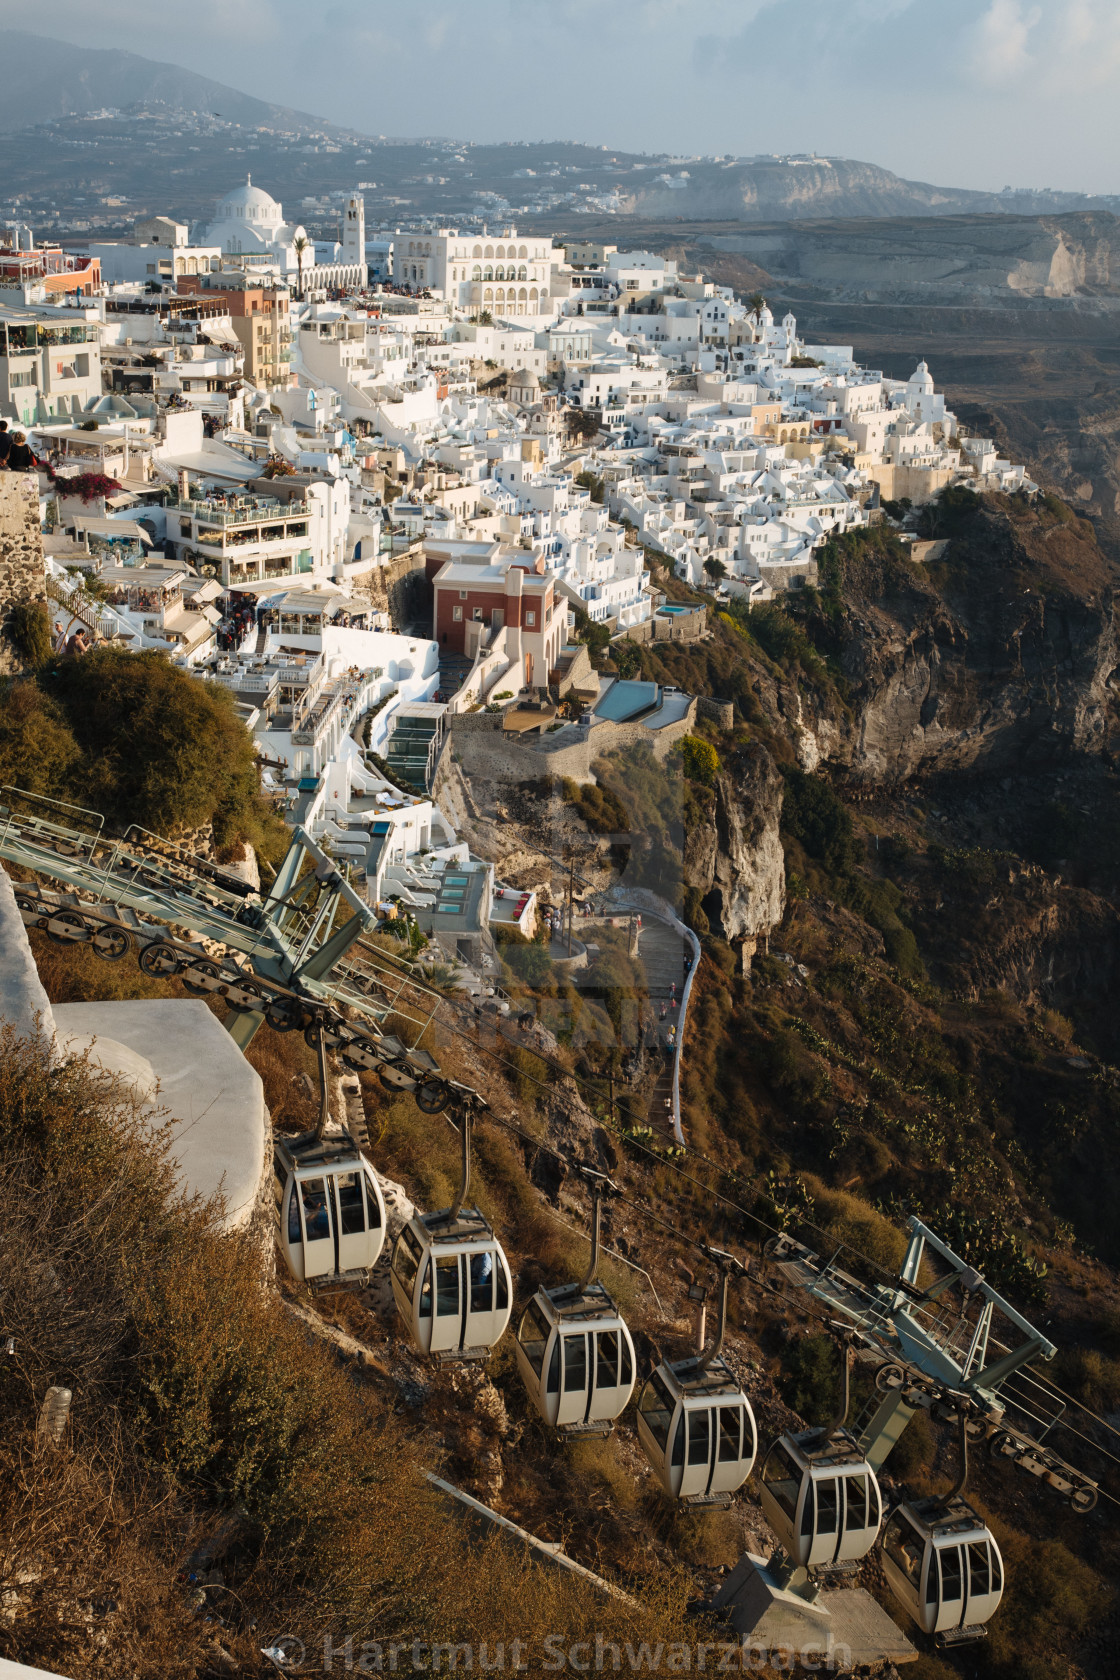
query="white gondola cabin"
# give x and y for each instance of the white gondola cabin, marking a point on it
(576, 1358)
(331, 1214)
(574, 1351)
(696, 1427)
(451, 1284)
(821, 1498)
(451, 1278)
(944, 1567)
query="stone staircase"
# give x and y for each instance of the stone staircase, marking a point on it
(661, 952)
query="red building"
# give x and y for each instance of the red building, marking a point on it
(499, 591)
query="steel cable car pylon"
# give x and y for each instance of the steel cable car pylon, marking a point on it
(284, 960)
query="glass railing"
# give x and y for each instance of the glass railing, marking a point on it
(246, 513)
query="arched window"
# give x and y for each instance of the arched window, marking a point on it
(500, 294)
(489, 273)
(488, 295)
(476, 272)
(522, 294)
(532, 294)
(192, 265)
(180, 266)
(521, 273)
(523, 252)
(489, 250)
(499, 250)
(477, 252)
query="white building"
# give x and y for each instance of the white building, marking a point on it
(50, 362)
(508, 275)
(160, 249)
(249, 227)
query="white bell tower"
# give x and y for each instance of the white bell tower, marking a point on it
(354, 234)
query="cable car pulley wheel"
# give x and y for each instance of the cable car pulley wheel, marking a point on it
(159, 959)
(111, 944)
(69, 919)
(197, 974)
(889, 1377)
(433, 1096)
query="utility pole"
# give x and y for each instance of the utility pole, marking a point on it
(571, 889)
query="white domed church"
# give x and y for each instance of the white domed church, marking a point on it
(250, 223)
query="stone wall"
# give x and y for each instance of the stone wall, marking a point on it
(676, 627)
(484, 750)
(22, 567)
(401, 588)
(720, 711)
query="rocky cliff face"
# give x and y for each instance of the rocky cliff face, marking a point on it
(795, 188)
(1002, 656)
(735, 864)
(982, 259)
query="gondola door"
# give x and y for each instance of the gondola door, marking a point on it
(613, 1374)
(318, 1227)
(568, 1373)
(357, 1220)
(710, 1455)
(692, 1446)
(485, 1285)
(447, 1325)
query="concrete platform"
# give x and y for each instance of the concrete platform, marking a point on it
(186, 1067)
(841, 1629)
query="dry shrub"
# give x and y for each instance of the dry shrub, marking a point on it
(849, 1220)
(597, 1462)
(1049, 1596)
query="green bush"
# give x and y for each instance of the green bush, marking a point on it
(159, 747)
(627, 657)
(814, 816)
(37, 747)
(30, 629)
(699, 760)
(810, 1378)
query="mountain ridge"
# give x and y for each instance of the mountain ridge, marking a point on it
(86, 79)
(47, 80)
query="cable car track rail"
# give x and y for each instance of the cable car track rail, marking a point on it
(124, 893)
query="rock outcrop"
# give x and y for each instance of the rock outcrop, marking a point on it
(1003, 656)
(735, 865)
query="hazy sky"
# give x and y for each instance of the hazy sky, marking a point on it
(977, 93)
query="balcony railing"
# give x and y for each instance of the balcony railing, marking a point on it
(246, 513)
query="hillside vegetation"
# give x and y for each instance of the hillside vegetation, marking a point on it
(137, 740)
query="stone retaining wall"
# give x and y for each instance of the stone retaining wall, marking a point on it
(720, 711)
(22, 566)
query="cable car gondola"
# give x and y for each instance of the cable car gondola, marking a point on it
(942, 1562)
(331, 1213)
(331, 1224)
(695, 1423)
(943, 1565)
(573, 1349)
(821, 1499)
(820, 1495)
(450, 1277)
